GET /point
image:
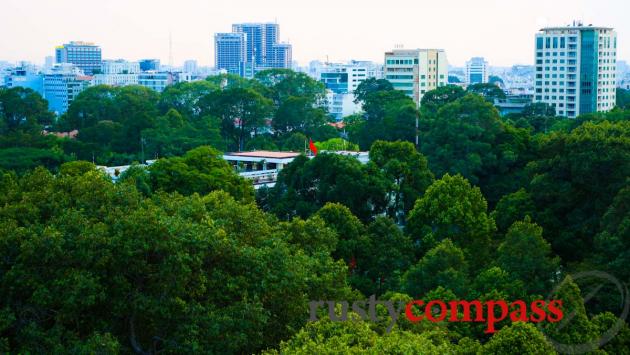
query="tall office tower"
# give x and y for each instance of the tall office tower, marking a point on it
(85, 55)
(416, 71)
(476, 71)
(230, 50)
(261, 49)
(149, 64)
(190, 66)
(575, 68)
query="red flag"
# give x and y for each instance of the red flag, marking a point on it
(312, 146)
(352, 264)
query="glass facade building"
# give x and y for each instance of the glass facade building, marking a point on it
(576, 69)
(251, 47)
(85, 55)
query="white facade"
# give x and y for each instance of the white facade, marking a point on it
(416, 71)
(341, 80)
(117, 73)
(476, 71)
(190, 66)
(576, 69)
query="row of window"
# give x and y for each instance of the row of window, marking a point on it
(402, 61)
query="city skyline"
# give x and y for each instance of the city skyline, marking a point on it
(142, 29)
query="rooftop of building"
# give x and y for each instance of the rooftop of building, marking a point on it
(576, 25)
(265, 154)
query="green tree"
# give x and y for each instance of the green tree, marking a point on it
(433, 100)
(184, 97)
(513, 207)
(612, 243)
(306, 185)
(575, 179)
(407, 168)
(201, 171)
(369, 86)
(298, 114)
(337, 144)
(282, 84)
(518, 338)
(444, 265)
(575, 331)
(489, 91)
(242, 113)
(452, 208)
(94, 267)
(22, 109)
(468, 137)
(527, 256)
(623, 98)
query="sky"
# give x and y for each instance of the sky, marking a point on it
(502, 31)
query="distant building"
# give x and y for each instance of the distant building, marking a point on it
(149, 64)
(117, 73)
(341, 80)
(230, 50)
(157, 81)
(49, 62)
(576, 68)
(251, 47)
(476, 71)
(85, 55)
(416, 71)
(512, 104)
(25, 76)
(62, 85)
(190, 66)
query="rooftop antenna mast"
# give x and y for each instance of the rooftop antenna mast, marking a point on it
(170, 49)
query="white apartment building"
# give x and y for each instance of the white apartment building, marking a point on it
(576, 68)
(416, 71)
(117, 73)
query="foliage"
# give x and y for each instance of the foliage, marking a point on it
(201, 171)
(337, 144)
(452, 208)
(409, 171)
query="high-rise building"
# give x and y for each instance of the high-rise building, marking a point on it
(149, 64)
(476, 71)
(251, 47)
(230, 50)
(279, 56)
(416, 71)
(85, 55)
(576, 68)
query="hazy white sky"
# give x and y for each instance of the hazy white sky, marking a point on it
(500, 30)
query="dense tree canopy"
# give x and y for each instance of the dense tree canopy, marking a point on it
(183, 256)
